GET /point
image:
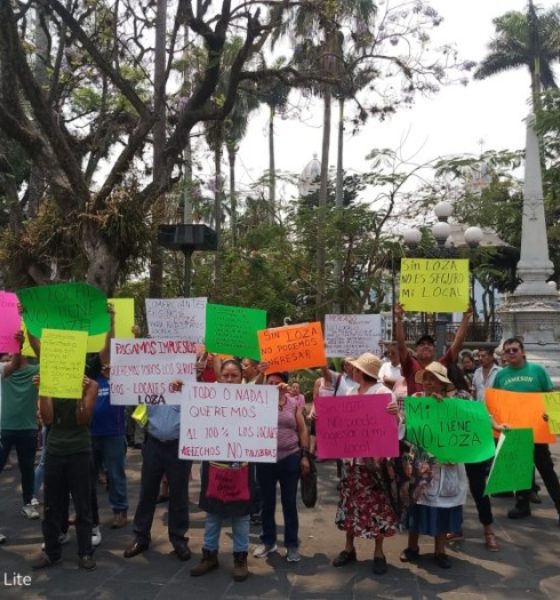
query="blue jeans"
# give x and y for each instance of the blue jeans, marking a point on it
(110, 451)
(25, 441)
(239, 528)
(287, 473)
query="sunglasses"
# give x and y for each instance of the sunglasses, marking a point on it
(512, 351)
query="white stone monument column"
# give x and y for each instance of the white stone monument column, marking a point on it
(532, 312)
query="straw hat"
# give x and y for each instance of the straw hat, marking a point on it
(368, 363)
(437, 370)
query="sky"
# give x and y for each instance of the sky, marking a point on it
(457, 120)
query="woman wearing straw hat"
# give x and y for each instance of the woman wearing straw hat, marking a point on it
(365, 509)
(439, 507)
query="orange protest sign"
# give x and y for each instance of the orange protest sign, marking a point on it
(292, 347)
(520, 410)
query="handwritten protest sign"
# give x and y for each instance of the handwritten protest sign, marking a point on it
(352, 335)
(293, 347)
(512, 469)
(142, 370)
(229, 422)
(453, 430)
(434, 285)
(233, 330)
(552, 408)
(63, 360)
(10, 322)
(183, 318)
(69, 306)
(356, 427)
(520, 410)
(27, 350)
(124, 320)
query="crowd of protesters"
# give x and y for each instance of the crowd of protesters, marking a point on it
(86, 439)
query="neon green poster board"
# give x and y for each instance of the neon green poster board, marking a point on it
(66, 306)
(512, 469)
(453, 430)
(233, 330)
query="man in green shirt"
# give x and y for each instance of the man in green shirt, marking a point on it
(522, 376)
(18, 422)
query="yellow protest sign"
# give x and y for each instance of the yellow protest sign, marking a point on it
(63, 359)
(552, 409)
(124, 320)
(434, 285)
(27, 350)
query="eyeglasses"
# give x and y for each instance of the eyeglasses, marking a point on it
(512, 350)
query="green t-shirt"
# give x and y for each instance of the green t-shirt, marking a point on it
(19, 399)
(65, 435)
(531, 377)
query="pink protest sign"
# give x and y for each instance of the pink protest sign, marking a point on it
(356, 427)
(10, 322)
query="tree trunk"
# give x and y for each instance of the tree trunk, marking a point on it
(339, 197)
(103, 266)
(232, 196)
(322, 213)
(156, 254)
(218, 211)
(271, 167)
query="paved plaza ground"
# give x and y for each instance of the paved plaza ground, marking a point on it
(527, 567)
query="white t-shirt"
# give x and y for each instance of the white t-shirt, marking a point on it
(388, 371)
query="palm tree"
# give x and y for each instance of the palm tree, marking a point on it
(530, 39)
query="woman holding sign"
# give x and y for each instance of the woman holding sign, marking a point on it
(439, 507)
(227, 491)
(365, 509)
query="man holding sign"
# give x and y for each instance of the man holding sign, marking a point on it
(522, 376)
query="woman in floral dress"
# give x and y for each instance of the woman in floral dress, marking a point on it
(365, 508)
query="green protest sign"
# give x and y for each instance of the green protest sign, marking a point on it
(512, 469)
(453, 429)
(66, 306)
(233, 330)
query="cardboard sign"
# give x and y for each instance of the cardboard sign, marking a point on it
(520, 410)
(229, 423)
(233, 330)
(434, 285)
(67, 306)
(352, 335)
(512, 469)
(453, 430)
(552, 409)
(183, 318)
(143, 370)
(356, 427)
(63, 361)
(10, 322)
(293, 347)
(124, 321)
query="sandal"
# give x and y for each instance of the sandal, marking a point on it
(344, 558)
(455, 536)
(491, 542)
(409, 554)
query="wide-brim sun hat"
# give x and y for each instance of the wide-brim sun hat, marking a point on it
(368, 363)
(437, 370)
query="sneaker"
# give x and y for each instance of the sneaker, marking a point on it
(293, 555)
(95, 537)
(264, 550)
(35, 502)
(119, 520)
(63, 538)
(87, 562)
(30, 512)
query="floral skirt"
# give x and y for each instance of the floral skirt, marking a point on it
(364, 509)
